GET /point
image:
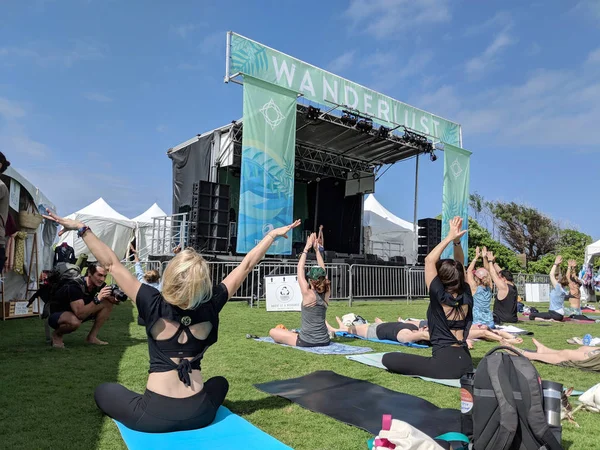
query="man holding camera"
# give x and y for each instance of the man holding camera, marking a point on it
(78, 301)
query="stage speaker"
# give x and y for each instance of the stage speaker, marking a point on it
(210, 230)
(398, 259)
(430, 235)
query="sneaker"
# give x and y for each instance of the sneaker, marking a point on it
(575, 341)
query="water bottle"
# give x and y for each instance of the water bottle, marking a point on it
(552, 405)
(466, 404)
(587, 339)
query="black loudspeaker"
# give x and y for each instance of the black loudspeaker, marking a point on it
(209, 217)
(398, 259)
(430, 235)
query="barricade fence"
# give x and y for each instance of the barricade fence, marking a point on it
(348, 282)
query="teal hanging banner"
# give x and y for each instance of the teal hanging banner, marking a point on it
(456, 193)
(268, 158)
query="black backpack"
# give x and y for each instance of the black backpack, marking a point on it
(61, 275)
(508, 405)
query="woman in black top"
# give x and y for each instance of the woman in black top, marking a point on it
(181, 324)
(449, 316)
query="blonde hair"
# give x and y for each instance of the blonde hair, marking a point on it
(186, 280)
(152, 276)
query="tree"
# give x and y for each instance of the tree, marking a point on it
(525, 229)
(480, 237)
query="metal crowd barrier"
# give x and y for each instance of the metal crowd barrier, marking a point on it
(348, 282)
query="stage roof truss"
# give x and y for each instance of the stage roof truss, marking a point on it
(327, 147)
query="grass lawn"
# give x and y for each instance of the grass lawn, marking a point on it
(46, 395)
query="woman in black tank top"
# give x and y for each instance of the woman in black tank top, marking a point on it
(505, 304)
(449, 316)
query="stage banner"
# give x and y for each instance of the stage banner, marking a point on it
(268, 151)
(248, 57)
(456, 194)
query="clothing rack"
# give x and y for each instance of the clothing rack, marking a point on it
(9, 308)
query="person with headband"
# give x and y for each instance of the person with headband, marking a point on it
(182, 322)
(315, 299)
(449, 315)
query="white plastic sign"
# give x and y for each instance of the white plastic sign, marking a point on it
(283, 293)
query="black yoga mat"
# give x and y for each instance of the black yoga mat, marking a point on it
(360, 403)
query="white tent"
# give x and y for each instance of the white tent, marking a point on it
(387, 235)
(112, 228)
(15, 285)
(144, 229)
(592, 251)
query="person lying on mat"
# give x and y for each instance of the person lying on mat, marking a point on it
(389, 331)
(449, 316)
(557, 296)
(181, 324)
(315, 299)
(484, 333)
(584, 358)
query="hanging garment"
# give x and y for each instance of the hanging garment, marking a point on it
(19, 267)
(10, 254)
(64, 254)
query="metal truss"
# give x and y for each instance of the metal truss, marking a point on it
(323, 163)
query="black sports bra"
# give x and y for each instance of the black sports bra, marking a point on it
(174, 349)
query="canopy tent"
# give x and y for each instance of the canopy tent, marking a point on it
(112, 228)
(15, 285)
(144, 229)
(387, 235)
(592, 251)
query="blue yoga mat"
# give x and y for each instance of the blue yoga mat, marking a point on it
(227, 431)
(332, 349)
(381, 341)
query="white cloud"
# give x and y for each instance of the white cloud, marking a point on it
(594, 57)
(590, 9)
(10, 110)
(14, 140)
(342, 62)
(394, 19)
(478, 65)
(213, 43)
(43, 55)
(98, 97)
(184, 30)
(500, 20)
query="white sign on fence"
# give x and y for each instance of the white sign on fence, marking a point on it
(537, 292)
(283, 293)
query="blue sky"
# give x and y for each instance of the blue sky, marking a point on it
(93, 93)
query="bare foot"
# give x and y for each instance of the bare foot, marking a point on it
(57, 341)
(341, 324)
(400, 319)
(95, 341)
(330, 328)
(378, 320)
(470, 343)
(514, 340)
(541, 348)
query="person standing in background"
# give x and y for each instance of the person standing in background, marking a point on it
(3, 211)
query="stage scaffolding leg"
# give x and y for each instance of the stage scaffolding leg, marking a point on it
(315, 226)
(415, 219)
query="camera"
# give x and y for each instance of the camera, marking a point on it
(117, 293)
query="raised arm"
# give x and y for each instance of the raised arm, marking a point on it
(572, 272)
(321, 237)
(557, 262)
(103, 253)
(454, 234)
(484, 256)
(302, 263)
(471, 269)
(234, 280)
(496, 278)
(320, 261)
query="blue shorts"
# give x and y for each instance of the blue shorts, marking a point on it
(54, 318)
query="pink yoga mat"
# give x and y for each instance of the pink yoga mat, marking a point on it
(566, 319)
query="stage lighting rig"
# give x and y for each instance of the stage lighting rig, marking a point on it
(348, 119)
(432, 156)
(313, 113)
(364, 125)
(383, 132)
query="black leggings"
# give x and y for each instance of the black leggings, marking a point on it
(447, 362)
(549, 315)
(155, 413)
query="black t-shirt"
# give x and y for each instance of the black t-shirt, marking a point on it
(71, 292)
(505, 311)
(439, 323)
(152, 307)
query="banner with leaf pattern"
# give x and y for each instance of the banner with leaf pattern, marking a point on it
(248, 57)
(268, 158)
(456, 194)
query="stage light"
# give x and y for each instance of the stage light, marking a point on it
(432, 157)
(364, 126)
(313, 113)
(383, 132)
(348, 120)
